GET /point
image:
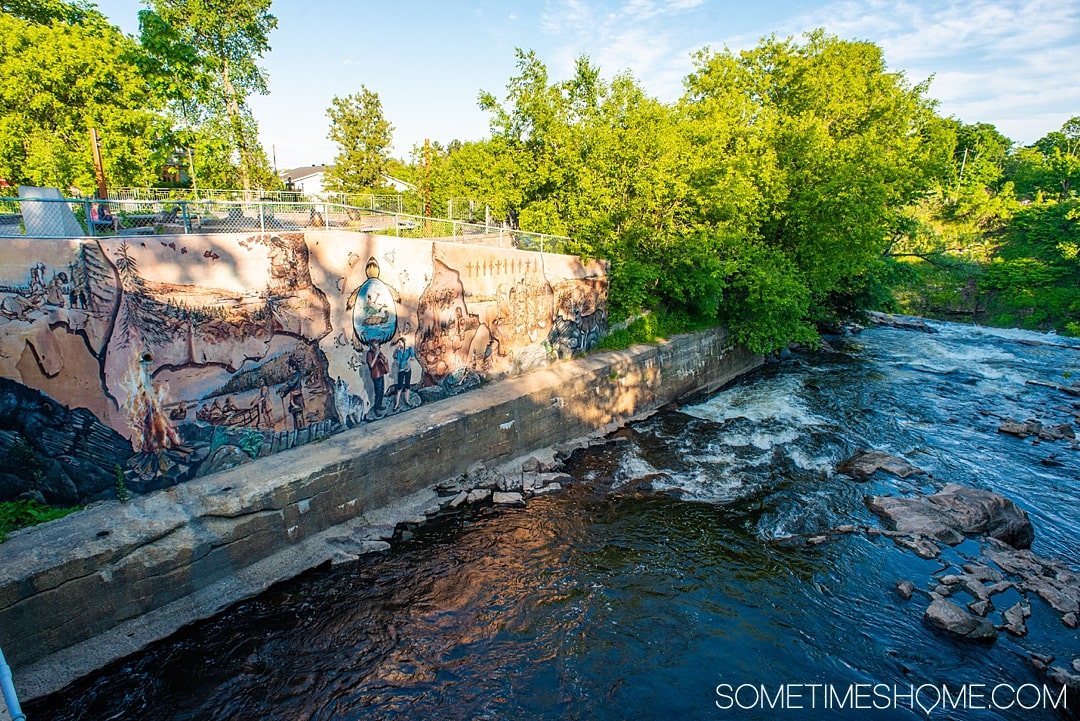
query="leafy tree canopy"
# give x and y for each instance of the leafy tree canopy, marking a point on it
(363, 136)
(58, 80)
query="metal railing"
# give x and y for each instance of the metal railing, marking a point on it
(7, 688)
(68, 217)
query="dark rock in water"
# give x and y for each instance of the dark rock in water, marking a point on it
(954, 512)
(899, 321)
(1014, 619)
(906, 589)
(953, 619)
(1057, 433)
(1070, 620)
(1020, 430)
(864, 463)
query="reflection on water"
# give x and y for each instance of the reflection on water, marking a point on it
(663, 572)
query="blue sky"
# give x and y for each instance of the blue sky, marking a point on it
(1011, 63)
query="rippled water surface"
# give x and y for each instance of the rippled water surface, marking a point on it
(666, 569)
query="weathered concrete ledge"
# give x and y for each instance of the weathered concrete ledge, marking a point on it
(93, 587)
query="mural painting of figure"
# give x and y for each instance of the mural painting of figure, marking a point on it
(403, 354)
(293, 393)
(265, 417)
(378, 367)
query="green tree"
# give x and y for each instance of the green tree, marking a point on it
(230, 38)
(831, 146)
(363, 136)
(58, 80)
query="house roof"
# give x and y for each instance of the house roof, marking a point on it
(302, 173)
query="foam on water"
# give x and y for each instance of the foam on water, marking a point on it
(773, 399)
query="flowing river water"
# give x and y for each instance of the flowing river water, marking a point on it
(663, 583)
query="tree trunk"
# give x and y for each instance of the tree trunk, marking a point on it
(232, 108)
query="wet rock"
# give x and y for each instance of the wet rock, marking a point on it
(500, 498)
(980, 608)
(953, 512)
(923, 547)
(1062, 597)
(1058, 433)
(982, 572)
(1070, 620)
(954, 620)
(553, 487)
(1020, 430)
(1014, 619)
(531, 465)
(1041, 661)
(1062, 677)
(1076, 664)
(899, 321)
(906, 589)
(864, 463)
(816, 540)
(478, 494)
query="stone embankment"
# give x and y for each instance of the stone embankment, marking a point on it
(100, 584)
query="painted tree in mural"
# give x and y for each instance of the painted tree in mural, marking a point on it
(140, 313)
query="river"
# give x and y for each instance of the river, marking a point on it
(661, 583)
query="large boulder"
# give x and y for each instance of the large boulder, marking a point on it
(955, 512)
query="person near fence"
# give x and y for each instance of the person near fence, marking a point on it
(100, 215)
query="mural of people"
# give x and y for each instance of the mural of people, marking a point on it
(402, 355)
(378, 367)
(178, 353)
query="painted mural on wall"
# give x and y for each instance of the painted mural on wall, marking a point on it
(152, 360)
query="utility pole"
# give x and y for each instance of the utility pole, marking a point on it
(99, 169)
(961, 178)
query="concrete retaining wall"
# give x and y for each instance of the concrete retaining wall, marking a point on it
(87, 589)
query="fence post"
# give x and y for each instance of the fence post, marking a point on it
(184, 214)
(89, 222)
(262, 219)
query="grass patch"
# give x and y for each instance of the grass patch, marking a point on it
(649, 328)
(20, 514)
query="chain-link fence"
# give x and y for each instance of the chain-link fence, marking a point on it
(72, 218)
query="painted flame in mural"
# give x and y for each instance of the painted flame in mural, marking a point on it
(151, 429)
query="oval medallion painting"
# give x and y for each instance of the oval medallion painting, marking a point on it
(374, 314)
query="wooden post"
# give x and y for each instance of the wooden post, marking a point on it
(99, 169)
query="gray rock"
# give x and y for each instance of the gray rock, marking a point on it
(553, 487)
(479, 494)
(1070, 620)
(531, 465)
(982, 572)
(500, 498)
(906, 589)
(980, 608)
(923, 547)
(1057, 433)
(1062, 597)
(954, 620)
(1014, 619)
(1020, 430)
(1076, 664)
(1062, 677)
(864, 463)
(954, 511)
(1041, 661)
